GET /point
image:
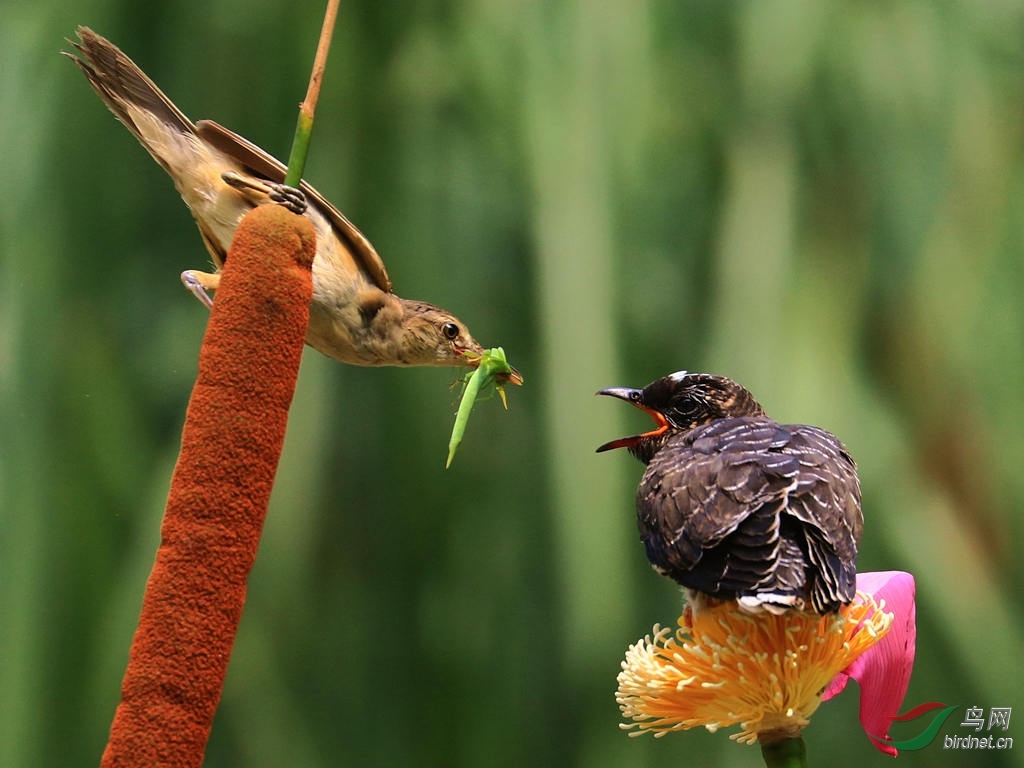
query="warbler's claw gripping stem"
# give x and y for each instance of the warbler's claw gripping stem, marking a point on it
(291, 198)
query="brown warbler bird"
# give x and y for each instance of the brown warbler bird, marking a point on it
(735, 506)
(354, 316)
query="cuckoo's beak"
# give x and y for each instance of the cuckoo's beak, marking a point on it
(634, 397)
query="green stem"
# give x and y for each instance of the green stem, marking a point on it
(300, 149)
(304, 125)
(787, 753)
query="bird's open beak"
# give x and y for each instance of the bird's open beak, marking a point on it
(629, 395)
(472, 355)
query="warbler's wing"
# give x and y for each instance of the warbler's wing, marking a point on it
(269, 167)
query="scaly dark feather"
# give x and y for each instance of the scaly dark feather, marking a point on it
(746, 506)
(737, 506)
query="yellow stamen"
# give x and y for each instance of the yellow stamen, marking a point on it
(724, 666)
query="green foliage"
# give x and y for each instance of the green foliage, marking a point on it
(821, 200)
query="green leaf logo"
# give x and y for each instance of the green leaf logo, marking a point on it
(924, 738)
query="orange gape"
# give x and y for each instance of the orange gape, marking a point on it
(219, 493)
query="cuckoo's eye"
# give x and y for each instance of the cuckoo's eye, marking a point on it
(691, 410)
(450, 331)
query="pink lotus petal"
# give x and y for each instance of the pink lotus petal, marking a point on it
(883, 672)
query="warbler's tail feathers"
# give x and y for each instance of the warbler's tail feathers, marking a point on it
(129, 93)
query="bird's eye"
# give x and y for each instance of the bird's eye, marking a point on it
(450, 331)
(634, 396)
(693, 408)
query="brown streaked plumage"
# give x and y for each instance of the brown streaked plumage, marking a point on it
(734, 505)
(354, 316)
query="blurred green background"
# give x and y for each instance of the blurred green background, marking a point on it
(823, 200)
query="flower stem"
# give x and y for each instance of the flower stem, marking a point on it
(786, 753)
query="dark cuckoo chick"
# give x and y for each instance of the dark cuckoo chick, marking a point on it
(736, 506)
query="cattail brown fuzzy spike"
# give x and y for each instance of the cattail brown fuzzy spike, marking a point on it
(220, 490)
